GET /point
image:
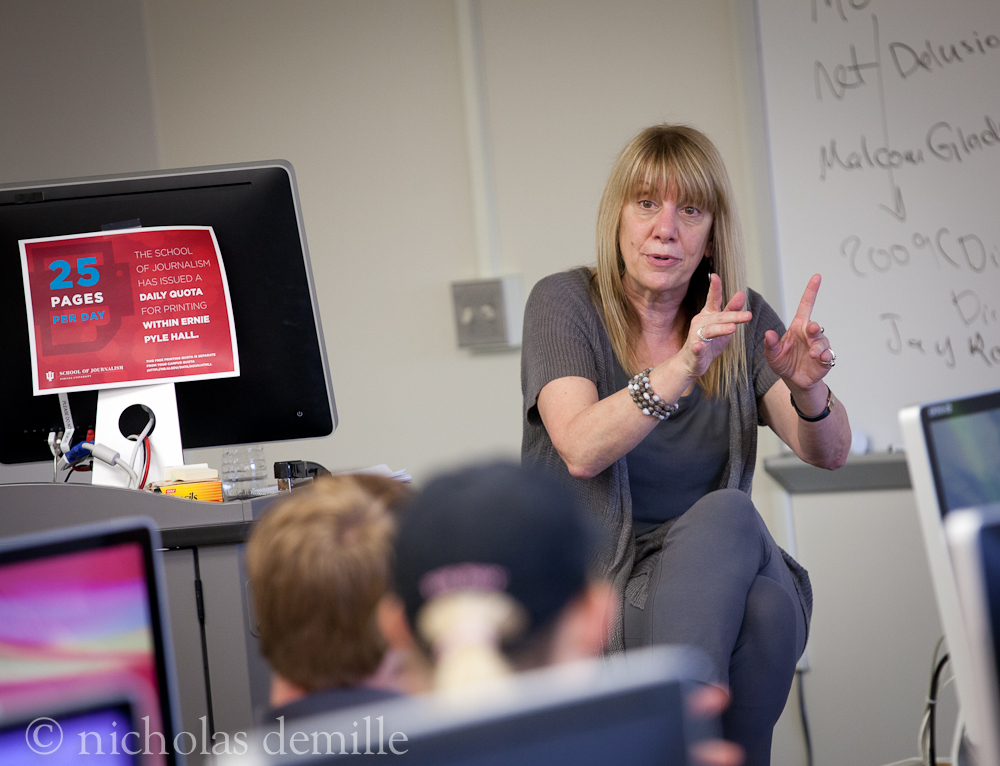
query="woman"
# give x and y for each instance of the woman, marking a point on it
(644, 387)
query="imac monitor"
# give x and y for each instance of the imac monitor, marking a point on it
(283, 391)
(953, 453)
(594, 712)
(974, 541)
(84, 619)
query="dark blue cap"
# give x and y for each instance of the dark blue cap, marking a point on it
(499, 527)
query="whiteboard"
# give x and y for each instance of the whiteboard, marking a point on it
(883, 133)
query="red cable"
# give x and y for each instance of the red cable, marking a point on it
(145, 471)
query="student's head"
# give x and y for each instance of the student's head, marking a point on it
(494, 561)
(318, 563)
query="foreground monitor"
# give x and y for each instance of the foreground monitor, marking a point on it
(953, 453)
(592, 713)
(85, 620)
(974, 541)
(283, 391)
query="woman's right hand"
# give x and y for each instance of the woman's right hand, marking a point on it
(716, 325)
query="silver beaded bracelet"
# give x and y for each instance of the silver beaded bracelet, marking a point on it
(648, 402)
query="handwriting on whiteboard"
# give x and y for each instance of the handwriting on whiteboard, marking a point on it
(944, 249)
(973, 348)
(883, 130)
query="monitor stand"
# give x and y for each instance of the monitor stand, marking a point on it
(164, 440)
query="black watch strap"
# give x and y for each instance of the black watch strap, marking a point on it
(823, 414)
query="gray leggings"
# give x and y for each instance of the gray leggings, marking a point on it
(722, 585)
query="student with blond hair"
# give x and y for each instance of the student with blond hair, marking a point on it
(318, 564)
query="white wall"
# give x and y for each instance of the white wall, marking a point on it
(75, 89)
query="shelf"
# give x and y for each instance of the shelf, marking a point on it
(885, 470)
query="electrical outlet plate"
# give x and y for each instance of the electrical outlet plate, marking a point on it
(488, 313)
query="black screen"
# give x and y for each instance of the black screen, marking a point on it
(642, 727)
(283, 390)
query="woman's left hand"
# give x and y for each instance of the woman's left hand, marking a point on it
(802, 357)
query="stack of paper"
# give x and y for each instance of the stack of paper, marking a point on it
(381, 470)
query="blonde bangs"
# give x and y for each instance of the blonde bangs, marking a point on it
(669, 170)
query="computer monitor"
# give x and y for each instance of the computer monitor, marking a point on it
(283, 391)
(103, 733)
(85, 617)
(601, 711)
(953, 453)
(974, 542)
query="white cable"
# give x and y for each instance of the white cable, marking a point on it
(69, 428)
(923, 733)
(958, 722)
(133, 480)
(109, 456)
(143, 435)
(53, 441)
(923, 740)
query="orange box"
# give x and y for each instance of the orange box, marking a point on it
(206, 491)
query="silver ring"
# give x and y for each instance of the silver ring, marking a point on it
(701, 334)
(832, 362)
(822, 329)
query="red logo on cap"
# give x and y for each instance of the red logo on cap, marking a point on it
(467, 576)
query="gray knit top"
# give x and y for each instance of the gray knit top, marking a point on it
(564, 335)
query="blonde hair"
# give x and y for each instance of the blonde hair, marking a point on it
(466, 630)
(318, 564)
(671, 157)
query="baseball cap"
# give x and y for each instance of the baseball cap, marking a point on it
(494, 527)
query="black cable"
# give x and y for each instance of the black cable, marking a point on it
(200, 605)
(805, 723)
(932, 702)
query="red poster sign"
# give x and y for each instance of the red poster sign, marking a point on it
(127, 308)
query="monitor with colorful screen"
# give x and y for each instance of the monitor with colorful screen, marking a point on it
(85, 618)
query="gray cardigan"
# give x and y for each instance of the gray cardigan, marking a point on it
(564, 335)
